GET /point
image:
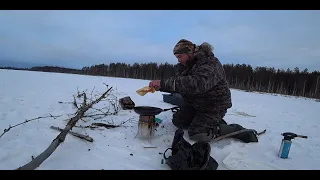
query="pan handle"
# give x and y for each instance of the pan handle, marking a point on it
(174, 109)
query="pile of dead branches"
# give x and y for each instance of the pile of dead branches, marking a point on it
(82, 111)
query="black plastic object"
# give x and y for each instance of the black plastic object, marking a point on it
(245, 137)
(290, 136)
(174, 99)
(151, 111)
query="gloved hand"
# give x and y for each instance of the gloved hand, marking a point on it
(155, 84)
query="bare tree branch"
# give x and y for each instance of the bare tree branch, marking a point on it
(112, 104)
(37, 161)
(26, 121)
(75, 102)
(81, 136)
(108, 126)
(92, 92)
(67, 102)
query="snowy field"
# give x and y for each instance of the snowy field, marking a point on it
(26, 95)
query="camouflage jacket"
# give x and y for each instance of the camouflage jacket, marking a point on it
(202, 82)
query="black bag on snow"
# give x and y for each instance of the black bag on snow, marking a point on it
(185, 156)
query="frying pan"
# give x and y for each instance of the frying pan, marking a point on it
(151, 111)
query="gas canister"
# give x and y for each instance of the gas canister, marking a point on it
(286, 144)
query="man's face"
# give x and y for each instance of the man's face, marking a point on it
(183, 58)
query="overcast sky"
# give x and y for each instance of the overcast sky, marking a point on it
(282, 39)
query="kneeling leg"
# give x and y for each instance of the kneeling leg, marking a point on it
(204, 126)
(183, 117)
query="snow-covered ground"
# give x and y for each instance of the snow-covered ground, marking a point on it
(26, 95)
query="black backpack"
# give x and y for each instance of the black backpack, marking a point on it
(185, 156)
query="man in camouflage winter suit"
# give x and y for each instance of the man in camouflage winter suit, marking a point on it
(202, 83)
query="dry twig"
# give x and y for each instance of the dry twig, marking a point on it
(108, 126)
(81, 136)
(26, 121)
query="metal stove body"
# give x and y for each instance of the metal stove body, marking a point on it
(146, 126)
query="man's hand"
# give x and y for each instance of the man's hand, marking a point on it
(155, 84)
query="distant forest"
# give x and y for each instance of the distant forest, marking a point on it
(240, 76)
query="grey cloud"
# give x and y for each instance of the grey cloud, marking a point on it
(273, 38)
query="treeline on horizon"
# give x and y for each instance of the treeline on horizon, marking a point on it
(293, 82)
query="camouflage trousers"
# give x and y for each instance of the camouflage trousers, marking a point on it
(202, 126)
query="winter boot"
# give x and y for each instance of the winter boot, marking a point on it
(201, 159)
(178, 136)
(181, 152)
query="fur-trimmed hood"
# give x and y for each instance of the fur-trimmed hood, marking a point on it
(205, 47)
(203, 50)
